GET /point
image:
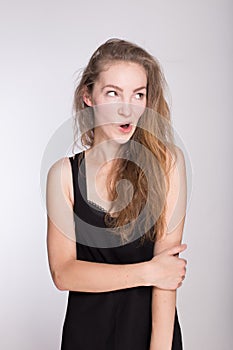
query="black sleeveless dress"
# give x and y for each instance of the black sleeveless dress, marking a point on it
(114, 320)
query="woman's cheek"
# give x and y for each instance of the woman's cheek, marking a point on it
(105, 113)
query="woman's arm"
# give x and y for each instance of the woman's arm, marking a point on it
(69, 273)
(164, 301)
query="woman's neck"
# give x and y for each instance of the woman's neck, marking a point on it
(105, 151)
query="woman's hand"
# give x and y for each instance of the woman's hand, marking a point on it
(167, 270)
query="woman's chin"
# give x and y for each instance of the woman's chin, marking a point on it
(121, 140)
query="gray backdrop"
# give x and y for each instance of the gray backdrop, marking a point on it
(43, 44)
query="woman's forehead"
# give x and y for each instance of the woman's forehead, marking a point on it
(123, 74)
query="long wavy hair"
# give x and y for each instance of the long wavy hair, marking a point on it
(149, 174)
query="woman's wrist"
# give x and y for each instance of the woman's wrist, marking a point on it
(142, 273)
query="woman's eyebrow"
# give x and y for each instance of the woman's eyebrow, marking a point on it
(112, 87)
(140, 88)
(118, 88)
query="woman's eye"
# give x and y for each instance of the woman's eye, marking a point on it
(139, 95)
(112, 93)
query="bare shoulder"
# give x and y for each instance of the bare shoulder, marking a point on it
(60, 174)
(178, 158)
(62, 164)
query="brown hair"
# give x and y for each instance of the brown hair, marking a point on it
(153, 132)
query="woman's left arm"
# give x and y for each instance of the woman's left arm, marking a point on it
(164, 301)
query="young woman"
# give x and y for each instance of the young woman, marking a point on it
(116, 210)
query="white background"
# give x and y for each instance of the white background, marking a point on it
(43, 44)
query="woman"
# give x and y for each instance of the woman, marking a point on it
(116, 209)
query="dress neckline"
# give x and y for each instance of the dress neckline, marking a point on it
(95, 205)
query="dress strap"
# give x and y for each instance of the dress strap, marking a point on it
(78, 175)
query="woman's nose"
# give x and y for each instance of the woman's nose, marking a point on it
(125, 109)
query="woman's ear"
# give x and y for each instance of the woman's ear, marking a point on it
(87, 97)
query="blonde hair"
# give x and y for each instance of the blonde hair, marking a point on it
(153, 132)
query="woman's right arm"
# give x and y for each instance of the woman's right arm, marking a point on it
(69, 273)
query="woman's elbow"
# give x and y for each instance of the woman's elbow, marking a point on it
(58, 281)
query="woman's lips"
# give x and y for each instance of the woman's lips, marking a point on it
(125, 128)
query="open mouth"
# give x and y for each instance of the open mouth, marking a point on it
(125, 127)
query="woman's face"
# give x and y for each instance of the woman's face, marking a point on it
(118, 99)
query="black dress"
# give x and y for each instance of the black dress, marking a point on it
(115, 320)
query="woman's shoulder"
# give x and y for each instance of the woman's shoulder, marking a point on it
(60, 175)
(60, 166)
(175, 156)
(63, 165)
